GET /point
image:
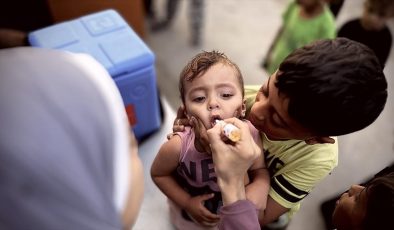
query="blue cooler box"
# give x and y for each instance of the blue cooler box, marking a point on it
(109, 39)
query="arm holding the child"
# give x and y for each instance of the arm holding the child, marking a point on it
(162, 172)
(258, 188)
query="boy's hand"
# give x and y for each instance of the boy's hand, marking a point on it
(199, 213)
(180, 122)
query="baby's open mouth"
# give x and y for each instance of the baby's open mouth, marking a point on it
(214, 119)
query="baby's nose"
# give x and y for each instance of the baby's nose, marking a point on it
(212, 107)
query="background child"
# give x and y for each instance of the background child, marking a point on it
(371, 28)
(335, 6)
(196, 17)
(367, 207)
(340, 214)
(304, 21)
(211, 88)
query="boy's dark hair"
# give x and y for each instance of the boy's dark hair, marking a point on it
(335, 86)
(380, 203)
(201, 63)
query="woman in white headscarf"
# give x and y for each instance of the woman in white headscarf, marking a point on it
(67, 157)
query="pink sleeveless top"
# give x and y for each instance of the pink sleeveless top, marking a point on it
(197, 168)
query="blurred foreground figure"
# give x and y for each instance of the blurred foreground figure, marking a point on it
(68, 158)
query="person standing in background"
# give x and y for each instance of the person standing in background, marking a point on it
(371, 28)
(335, 6)
(196, 17)
(304, 21)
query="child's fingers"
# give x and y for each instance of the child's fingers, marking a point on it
(201, 133)
(180, 121)
(208, 216)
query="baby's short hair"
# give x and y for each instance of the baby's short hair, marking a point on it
(201, 63)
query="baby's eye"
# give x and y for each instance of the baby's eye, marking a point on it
(227, 95)
(199, 99)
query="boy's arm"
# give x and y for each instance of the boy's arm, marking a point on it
(289, 188)
(272, 212)
(257, 190)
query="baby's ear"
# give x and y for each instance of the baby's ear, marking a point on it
(243, 108)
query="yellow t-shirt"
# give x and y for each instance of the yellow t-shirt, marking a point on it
(295, 167)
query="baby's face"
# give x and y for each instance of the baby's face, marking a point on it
(216, 94)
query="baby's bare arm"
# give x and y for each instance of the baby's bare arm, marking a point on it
(163, 167)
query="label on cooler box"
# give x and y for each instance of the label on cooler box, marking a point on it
(131, 114)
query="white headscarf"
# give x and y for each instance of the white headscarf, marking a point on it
(63, 142)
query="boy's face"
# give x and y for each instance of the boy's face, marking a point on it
(216, 94)
(269, 114)
(350, 209)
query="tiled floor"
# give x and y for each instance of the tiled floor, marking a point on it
(244, 31)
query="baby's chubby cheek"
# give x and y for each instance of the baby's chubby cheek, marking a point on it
(238, 113)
